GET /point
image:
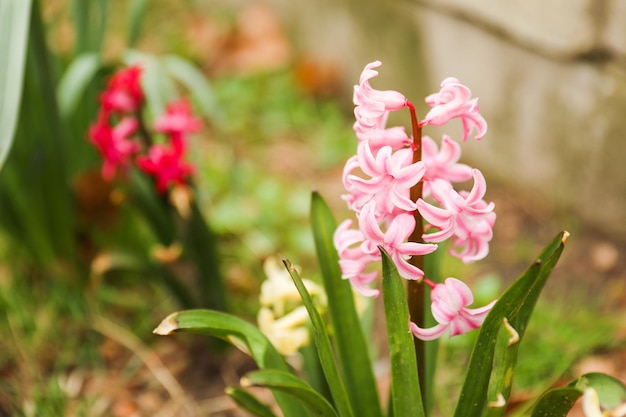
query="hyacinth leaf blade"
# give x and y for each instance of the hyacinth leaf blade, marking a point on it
(136, 14)
(249, 402)
(406, 397)
(293, 386)
(196, 83)
(516, 305)
(349, 339)
(324, 347)
(239, 333)
(14, 29)
(557, 402)
(501, 379)
(75, 80)
(158, 88)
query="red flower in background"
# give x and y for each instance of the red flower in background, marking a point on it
(178, 120)
(165, 163)
(123, 93)
(114, 144)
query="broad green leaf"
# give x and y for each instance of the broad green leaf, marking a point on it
(516, 305)
(196, 83)
(324, 348)
(611, 391)
(74, 82)
(238, 332)
(501, 380)
(349, 340)
(249, 402)
(558, 402)
(293, 386)
(14, 29)
(406, 395)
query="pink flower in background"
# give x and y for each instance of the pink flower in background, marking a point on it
(442, 164)
(391, 176)
(165, 163)
(454, 100)
(123, 93)
(114, 144)
(178, 120)
(449, 308)
(393, 240)
(463, 216)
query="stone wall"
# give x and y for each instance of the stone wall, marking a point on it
(551, 77)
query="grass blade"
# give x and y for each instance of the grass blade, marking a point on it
(406, 397)
(324, 348)
(516, 305)
(14, 29)
(293, 386)
(352, 350)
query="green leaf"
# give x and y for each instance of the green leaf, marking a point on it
(196, 83)
(136, 13)
(352, 350)
(14, 29)
(72, 86)
(324, 348)
(611, 391)
(516, 305)
(406, 396)
(500, 382)
(249, 402)
(292, 385)
(157, 86)
(558, 402)
(238, 332)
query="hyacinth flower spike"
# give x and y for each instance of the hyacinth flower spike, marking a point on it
(449, 307)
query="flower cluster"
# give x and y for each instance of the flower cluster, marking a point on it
(394, 180)
(118, 134)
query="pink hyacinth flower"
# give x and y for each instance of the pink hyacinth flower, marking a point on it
(113, 144)
(391, 176)
(449, 308)
(393, 240)
(123, 93)
(353, 261)
(178, 120)
(165, 163)
(464, 216)
(442, 164)
(374, 103)
(454, 100)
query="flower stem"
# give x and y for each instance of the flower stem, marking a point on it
(415, 289)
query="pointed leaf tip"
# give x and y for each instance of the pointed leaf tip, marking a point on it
(168, 326)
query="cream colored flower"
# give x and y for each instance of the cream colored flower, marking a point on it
(282, 316)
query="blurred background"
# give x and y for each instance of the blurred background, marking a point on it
(277, 105)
